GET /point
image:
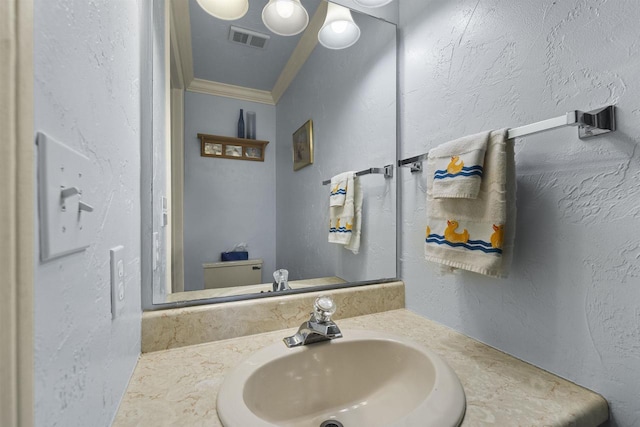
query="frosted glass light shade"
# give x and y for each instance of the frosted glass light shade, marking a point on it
(338, 31)
(285, 17)
(372, 3)
(225, 9)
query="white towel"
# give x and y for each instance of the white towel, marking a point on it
(345, 221)
(476, 234)
(354, 243)
(459, 166)
(339, 188)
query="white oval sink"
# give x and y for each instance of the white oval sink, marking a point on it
(366, 379)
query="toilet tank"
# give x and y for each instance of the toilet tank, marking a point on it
(232, 273)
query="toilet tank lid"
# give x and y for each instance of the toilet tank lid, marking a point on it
(257, 261)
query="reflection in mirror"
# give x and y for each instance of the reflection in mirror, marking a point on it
(220, 194)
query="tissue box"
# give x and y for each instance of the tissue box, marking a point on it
(234, 256)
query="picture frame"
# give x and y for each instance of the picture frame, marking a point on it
(212, 149)
(303, 146)
(226, 147)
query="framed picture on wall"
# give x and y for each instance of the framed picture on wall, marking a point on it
(212, 149)
(253, 152)
(233, 150)
(303, 146)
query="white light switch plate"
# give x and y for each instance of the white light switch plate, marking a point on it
(117, 281)
(165, 212)
(63, 226)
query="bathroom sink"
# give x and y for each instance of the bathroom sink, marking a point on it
(367, 378)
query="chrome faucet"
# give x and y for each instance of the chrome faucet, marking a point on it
(319, 327)
(280, 278)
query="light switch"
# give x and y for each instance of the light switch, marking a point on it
(165, 212)
(117, 281)
(64, 213)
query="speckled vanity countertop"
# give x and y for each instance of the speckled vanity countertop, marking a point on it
(249, 289)
(179, 387)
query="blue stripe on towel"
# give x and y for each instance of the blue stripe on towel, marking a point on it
(473, 245)
(340, 191)
(458, 174)
(339, 230)
(466, 171)
(466, 168)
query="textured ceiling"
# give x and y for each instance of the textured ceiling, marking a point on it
(217, 59)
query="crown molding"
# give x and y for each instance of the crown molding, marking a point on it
(231, 91)
(183, 55)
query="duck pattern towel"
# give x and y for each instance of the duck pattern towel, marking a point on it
(476, 234)
(339, 189)
(459, 167)
(345, 221)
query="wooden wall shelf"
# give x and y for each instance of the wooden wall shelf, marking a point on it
(227, 147)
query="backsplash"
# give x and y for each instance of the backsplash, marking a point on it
(178, 327)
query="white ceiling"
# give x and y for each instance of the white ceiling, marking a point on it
(217, 59)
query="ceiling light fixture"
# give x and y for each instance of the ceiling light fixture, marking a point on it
(227, 10)
(372, 3)
(339, 31)
(285, 17)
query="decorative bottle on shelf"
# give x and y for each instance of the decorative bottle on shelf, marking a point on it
(251, 125)
(241, 124)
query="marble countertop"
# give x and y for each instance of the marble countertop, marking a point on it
(180, 386)
(249, 289)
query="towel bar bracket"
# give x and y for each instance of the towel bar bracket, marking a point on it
(596, 122)
(415, 162)
(416, 167)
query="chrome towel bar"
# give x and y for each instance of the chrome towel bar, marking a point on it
(590, 123)
(387, 171)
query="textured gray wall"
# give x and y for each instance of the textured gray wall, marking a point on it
(86, 95)
(571, 303)
(227, 201)
(351, 96)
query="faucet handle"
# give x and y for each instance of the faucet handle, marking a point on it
(323, 308)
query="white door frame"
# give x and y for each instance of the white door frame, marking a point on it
(17, 181)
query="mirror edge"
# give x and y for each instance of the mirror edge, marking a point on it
(146, 183)
(146, 155)
(234, 298)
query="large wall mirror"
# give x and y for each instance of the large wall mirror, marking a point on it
(208, 199)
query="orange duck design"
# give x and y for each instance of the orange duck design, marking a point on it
(454, 167)
(497, 238)
(452, 236)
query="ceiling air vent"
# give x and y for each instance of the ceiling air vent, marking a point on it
(248, 37)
